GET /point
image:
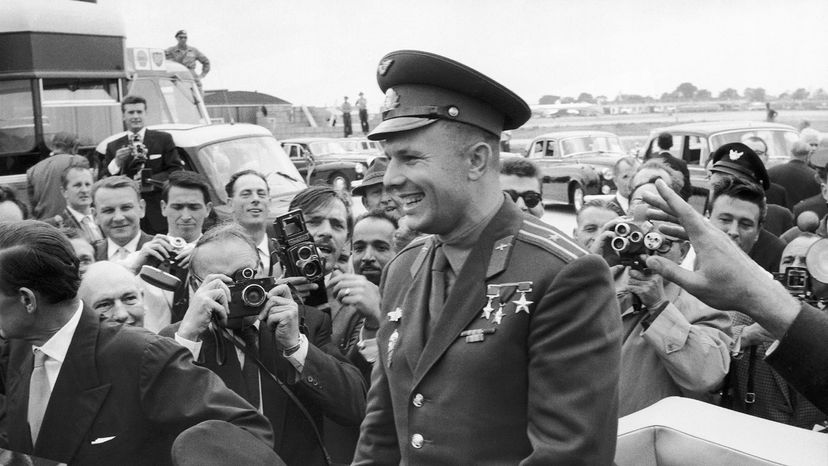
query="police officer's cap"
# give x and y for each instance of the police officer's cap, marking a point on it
(740, 161)
(421, 88)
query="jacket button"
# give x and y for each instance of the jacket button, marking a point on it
(417, 441)
(418, 400)
(310, 379)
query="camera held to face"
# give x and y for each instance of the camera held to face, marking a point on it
(809, 284)
(166, 274)
(248, 296)
(631, 240)
(298, 253)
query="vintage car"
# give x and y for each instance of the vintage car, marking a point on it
(324, 160)
(362, 145)
(218, 151)
(695, 142)
(573, 164)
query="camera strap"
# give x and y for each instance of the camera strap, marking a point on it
(264, 370)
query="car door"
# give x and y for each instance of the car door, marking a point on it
(294, 152)
(545, 153)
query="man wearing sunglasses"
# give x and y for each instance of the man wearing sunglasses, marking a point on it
(519, 179)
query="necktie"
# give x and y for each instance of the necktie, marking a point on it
(250, 336)
(39, 392)
(90, 228)
(439, 282)
(121, 254)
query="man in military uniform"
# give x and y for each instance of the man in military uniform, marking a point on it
(500, 338)
(189, 56)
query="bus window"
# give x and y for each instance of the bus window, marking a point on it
(17, 132)
(86, 107)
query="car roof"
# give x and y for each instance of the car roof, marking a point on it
(710, 127)
(307, 140)
(186, 135)
(575, 133)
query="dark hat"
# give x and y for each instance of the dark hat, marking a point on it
(180, 32)
(373, 176)
(421, 88)
(216, 442)
(740, 161)
(819, 159)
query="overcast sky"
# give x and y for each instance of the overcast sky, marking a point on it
(314, 52)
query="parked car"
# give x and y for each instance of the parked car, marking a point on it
(695, 142)
(364, 146)
(218, 151)
(324, 160)
(573, 164)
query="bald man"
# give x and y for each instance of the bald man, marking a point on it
(112, 290)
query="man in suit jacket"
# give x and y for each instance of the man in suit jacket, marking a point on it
(44, 178)
(76, 182)
(81, 389)
(500, 339)
(665, 143)
(306, 361)
(142, 148)
(799, 180)
(118, 211)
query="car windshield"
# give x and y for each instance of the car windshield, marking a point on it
(327, 147)
(779, 142)
(260, 153)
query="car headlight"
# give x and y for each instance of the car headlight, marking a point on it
(360, 168)
(606, 173)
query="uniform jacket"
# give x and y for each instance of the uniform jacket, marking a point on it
(44, 187)
(802, 356)
(798, 179)
(102, 247)
(328, 386)
(542, 389)
(684, 352)
(120, 383)
(816, 204)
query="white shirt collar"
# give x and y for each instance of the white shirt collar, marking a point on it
(112, 248)
(263, 248)
(78, 216)
(622, 201)
(57, 346)
(141, 134)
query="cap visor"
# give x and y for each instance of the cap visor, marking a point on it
(720, 168)
(398, 125)
(360, 190)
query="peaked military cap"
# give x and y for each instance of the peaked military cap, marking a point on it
(740, 161)
(421, 88)
(181, 32)
(373, 176)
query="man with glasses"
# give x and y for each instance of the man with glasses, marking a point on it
(519, 179)
(775, 193)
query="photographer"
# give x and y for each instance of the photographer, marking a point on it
(673, 344)
(140, 149)
(288, 339)
(726, 278)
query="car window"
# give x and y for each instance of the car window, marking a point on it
(576, 145)
(606, 144)
(537, 149)
(779, 142)
(696, 145)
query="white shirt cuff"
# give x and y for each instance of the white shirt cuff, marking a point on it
(193, 346)
(297, 359)
(113, 168)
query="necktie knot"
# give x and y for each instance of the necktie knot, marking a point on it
(39, 358)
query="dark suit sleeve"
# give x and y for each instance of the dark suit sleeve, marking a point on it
(378, 433)
(802, 356)
(171, 160)
(329, 380)
(574, 357)
(176, 392)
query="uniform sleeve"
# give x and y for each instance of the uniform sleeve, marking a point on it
(177, 393)
(205, 63)
(335, 385)
(378, 433)
(574, 358)
(801, 357)
(696, 354)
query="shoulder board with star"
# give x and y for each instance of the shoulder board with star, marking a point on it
(416, 243)
(549, 238)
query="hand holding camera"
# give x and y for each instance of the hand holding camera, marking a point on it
(281, 314)
(211, 299)
(649, 287)
(163, 260)
(356, 290)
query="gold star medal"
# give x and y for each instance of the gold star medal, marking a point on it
(522, 304)
(395, 315)
(392, 342)
(492, 292)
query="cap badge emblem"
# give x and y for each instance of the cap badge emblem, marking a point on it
(392, 100)
(382, 68)
(453, 111)
(735, 155)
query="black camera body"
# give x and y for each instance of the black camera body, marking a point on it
(167, 274)
(632, 240)
(299, 255)
(248, 296)
(798, 282)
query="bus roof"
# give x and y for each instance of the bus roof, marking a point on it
(63, 17)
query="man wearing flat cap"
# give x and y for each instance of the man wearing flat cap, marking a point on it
(189, 56)
(373, 194)
(500, 337)
(739, 163)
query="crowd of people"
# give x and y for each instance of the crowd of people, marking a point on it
(446, 324)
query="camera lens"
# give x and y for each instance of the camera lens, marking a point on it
(622, 229)
(310, 269)
(619, 244)
(248, 273)
(636, 237)
(254, 295)
(304, 252)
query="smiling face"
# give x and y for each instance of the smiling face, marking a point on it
(427, 172)
(328, 225)
(78, 190)
(134, 116)
(118, 212)
(185, 211)
(590, 220)
(250, 202)
(373, 247)
(376, 198)
(112, 291)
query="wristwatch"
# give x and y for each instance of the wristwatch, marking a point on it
(287, 352)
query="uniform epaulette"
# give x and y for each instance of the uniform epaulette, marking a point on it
(416, 243)
(545, 236)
